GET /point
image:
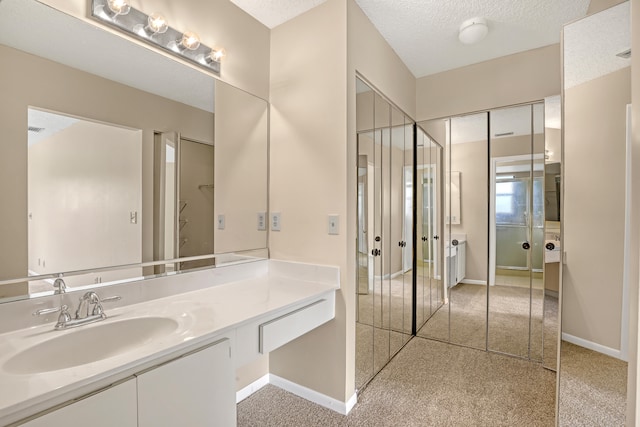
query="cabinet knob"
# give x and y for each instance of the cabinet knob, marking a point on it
(526, 246)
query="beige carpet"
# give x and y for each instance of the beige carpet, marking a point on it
(464, 321)
(593, 388)
(428, 383)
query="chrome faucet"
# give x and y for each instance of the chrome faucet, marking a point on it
(83, 316)
(60, 286)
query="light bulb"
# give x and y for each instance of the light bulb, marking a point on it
(119, 7)
(157, 24)
(190, 40)
(216, 55)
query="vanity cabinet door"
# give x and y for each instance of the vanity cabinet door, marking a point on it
(197, 390)
(115, 406)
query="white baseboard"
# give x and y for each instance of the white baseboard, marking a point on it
(593, 346)
(306, 393)
(313, 396)
(252, 388)
(473, 282)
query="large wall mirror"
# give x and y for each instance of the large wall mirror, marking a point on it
(595, 282)
(115, 155)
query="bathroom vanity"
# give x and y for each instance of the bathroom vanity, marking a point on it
(167, 357)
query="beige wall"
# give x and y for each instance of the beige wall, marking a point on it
(599, 5)
(633, 415)
(312, 148)
(218, 23)
(470, 159)
(83, 183)
(241, 152)
(594, 184)
(522, 77)
(309, 157)
(26, 80)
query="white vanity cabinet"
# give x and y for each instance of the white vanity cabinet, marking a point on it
(114, 406)
(197, 389)
(456, 263)
(461, 261)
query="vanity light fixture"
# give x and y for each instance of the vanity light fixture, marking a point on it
(155, 30)
(189, 40)
(473, 30)
(118, 7)
(216, 55)
(156, 24)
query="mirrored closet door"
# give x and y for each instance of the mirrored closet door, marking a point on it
(385, 230)
(493, 293)
(516, 229)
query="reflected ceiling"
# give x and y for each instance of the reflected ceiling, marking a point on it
(24, 24)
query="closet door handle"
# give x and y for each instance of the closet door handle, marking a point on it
(377, 239)
(526, 246)
(436, 237)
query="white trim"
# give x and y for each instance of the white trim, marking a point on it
(593, 346)
(474, 282)
(313, 396)
(252, 388)
(389, 276)
(624, 321)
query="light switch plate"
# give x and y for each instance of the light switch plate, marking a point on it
(275, 221)
(262, 221)
(333, 224)
(221, 222)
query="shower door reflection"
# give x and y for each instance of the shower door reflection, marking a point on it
(516, 294)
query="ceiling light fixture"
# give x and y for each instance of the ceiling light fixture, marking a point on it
(155, 30)
(473, 30)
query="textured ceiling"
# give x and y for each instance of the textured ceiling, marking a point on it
(588, 55)
(424, 33)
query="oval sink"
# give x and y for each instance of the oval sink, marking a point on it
(81, 346)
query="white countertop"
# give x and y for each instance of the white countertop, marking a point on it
(203, 316)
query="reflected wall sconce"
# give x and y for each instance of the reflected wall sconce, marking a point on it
(155, 30)
(473, 30)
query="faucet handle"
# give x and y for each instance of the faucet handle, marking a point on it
(46, 311)
(63, 318)
(98, 309)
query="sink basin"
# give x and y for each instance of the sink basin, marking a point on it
(89, 344)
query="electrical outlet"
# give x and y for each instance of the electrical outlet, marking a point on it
(333, 224)
(275, 221)
(262, 221)
(221, 222)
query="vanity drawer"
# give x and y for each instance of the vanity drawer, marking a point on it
(270, 332)
(281, 330)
